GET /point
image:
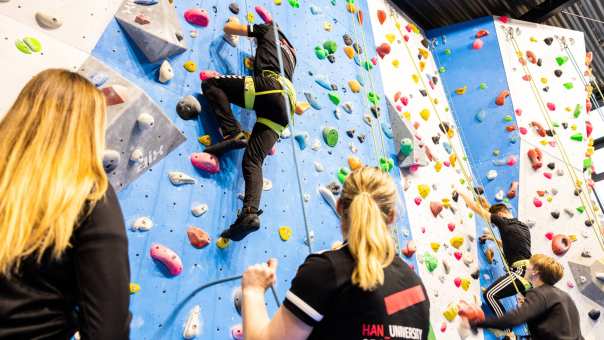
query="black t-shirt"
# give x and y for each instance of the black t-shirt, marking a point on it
(322, 295)
(515, 238)
(549, 312)
(267, 57)
(86, 289)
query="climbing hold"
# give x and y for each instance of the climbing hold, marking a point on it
(594, 314)
(386, 164)
(193, 324)
(436, 208)
(383, 50)
(198, 237)
(302, 139)
(561, 60)
(535, 156)
(425, 114)
(450, 312)
(285, 233)
(461, 90)
(512, 190)
(234, 8)
(354, 85)
(197, 17)
(577, 137)
(22, 46)
(491, 175)
(142, 19)
(111, 159)
(165, 72)
(551, 106)
(349, 51)
(99, 79)
(188, 108)
(208, 74)
(330, 46)
(430, 261)
(477, 44)
(548, 41)
(180, 178)
(133, 287)
(167, 257)
(558, 73)
(143, 223)
(145, 121)
(373, 98)
(555, 214)
(315, 10)
(329, 198)
(501, 97)
(537, 202)
(490, 255)
(264, 14)
(482, 33)
(381, 15)
(354, 163)
(561, 244)
(334, 97)
(323, 81)
(406, 146)
(205, 140)
(480, 116)
(313, 100)
(48, 21)
(137, 155)
(319, 167)
(199, 209)
(456, 241)
(206, 162)
(267, 184)
(423, 190)
(237, 330)
(190, 66)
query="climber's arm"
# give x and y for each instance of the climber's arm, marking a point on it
(477, 208)
(235, 28)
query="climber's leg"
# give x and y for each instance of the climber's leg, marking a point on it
(505, 286)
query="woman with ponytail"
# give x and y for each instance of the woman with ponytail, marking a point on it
(361, 290)
(63, 247)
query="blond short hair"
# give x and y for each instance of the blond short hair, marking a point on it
(550, 270)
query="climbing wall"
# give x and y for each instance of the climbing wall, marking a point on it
(442, 228)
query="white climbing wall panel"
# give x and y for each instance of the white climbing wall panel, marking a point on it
(555, 194)
(399, 74)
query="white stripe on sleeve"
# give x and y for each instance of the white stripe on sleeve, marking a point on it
(306, 308)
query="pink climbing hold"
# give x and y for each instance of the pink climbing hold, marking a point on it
(405, 100)
(588, 128)
(549, 235)
(206, 162)
(518, 112)
(451, 226)
(273, 150)
(523, 130)
(197, 17)
(537, 202)
(512, 160)
(264, 14)
(208, 74)
(547, 175)
(374, 61)
(167, 257)
(504, 19)
(551, 106)
(457, 282)
(383, 50)
(477, 44)
(237, 332)
(436, 208)
(418, 201)
(399, 108)
(458, 255)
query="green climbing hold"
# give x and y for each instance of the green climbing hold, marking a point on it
(330, 135)
(581, 209)
(320, 52)
(568, 85)
(294, 3)
(577, 137)
(587, 163)
(442, 69)
(578, 110)
(483, 86)
(330, 46)
(506, 200)
(561, 60)
(386, 164)
(33, 44)
(342, 174)
(406, 146)
(373, 98)
(22, 46)
(367, 65)
(334, 97)
(555, 124)
(333, 2)
(350, 2)
(430, 261)
(448, 51)
(507, 118)
(465, 158)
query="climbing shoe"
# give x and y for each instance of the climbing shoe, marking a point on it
(247, 222)
(236, 141)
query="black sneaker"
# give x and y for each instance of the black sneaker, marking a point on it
(238, 141)
(247, 222)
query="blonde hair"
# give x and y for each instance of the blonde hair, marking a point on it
(550, 270)
(367, 202)
(51, 166)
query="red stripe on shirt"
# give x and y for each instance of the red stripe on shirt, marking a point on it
(404, 299)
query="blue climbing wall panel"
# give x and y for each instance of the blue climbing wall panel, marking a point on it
(482, 123)
(161, 307)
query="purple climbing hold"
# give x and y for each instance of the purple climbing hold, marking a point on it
(206, 162)
(197, 17)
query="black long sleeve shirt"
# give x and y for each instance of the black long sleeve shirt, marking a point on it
(86, 289)
(515, 238)
(549, 312)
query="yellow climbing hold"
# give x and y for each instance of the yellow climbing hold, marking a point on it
(354, 85)
(573, 127)
(461, 90)
(549, 198)
(451, 312)
(436, 101)
(222, 242)
(453, 159)
(301, 107)
(390, 37)
(543, 80)
(396, 63)
(533, 39)
(413, 28)
(327, 26)
(278, 2)
(285, 233)
(438, 166)
(250, 17)
(249, 63)
(415, 78)
(456, 241)
(134, 288)
(349, 51)
(425, 114)
(422, 65)
(446, 203)
(205, 140)
(190, 66)
(465, 284)
(424, 53)
(397, 24)
(423, 190)
(350, 7)
(572, 237)
(407, 115)
(435, 246)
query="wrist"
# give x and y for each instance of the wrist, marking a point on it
(253, 290)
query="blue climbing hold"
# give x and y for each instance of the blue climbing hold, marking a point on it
(387, 129)
(360, 79)
(447, 147)
(313, 101)
(480, 116)
(302, 139)
(315, 10)
(146, 2)
(99, 79)
(323, 81)
(357, 60)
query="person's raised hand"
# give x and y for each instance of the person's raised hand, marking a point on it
(260, 276)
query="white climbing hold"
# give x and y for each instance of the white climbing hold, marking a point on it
(193, 324)
(446, 266)
(306, 198)
(560, 172)
(530, 223)
(347, 106)
(286, 133)
(554, 191)
(237, 299)
(486, 277)
(582, 279)
(241, 196)
(111, 159)
(267, 184)
(145, 121)
(319, 167)
(165, 72)
(491, 175)
(367, 119)
(353, 148)
(499, 195)
(441, 278)
(600, 276)
(311, 237)
(316, 145)
(143, 223)
(468, 259)
(199, 209)
(180, 178)
(193, 34)
(569, 212)
(406, 233)
(47, 21)
(329, 198)
(137, 155)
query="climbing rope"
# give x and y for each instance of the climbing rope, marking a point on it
(586, 202)
(466, 173)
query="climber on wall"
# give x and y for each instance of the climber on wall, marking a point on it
(361, 290)
(265, 92)
(516, 245)
(549, 312)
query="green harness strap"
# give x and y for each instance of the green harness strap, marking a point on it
(250, 94)
(522, 263)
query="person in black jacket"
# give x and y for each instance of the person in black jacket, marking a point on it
(63, 247)
(549, 312)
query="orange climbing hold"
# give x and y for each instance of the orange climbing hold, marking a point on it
(482, 33)
(436, 208)
(349, 51)
(381, 14)
(535, 156)
(354, 163)
(501, 97)
(531, 57)
(538, 129)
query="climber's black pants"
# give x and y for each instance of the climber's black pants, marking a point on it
(224, 90)
(504, 287)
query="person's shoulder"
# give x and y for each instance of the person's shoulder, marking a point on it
(105, 215)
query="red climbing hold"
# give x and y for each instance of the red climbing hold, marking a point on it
(114, 94)
(406, 38)
(381, 14)
(549, 235)
(198, 237)
(405, 101)
(551, 106)
(547, 175)
(501, 97)
(523, 130)
(526, 77)
(208, 74)
(458, 255)
(513, 189)
(409, 249)
(205, 162)
(535, 156)
(518, 112)
(418, 201)
(537, 202)
(197, 17)
(504, 19)
(457, 282)
(482, 33)
(561, 244)
(451, 226)
(530, 55)
(360, 16)
(383, 50)
(588, 128)
(264, 14)
(397, 96)
(477, 44)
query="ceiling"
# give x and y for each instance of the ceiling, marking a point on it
(561, 13)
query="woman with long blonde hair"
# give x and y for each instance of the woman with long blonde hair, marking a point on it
(63, 248)
(361, 290)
